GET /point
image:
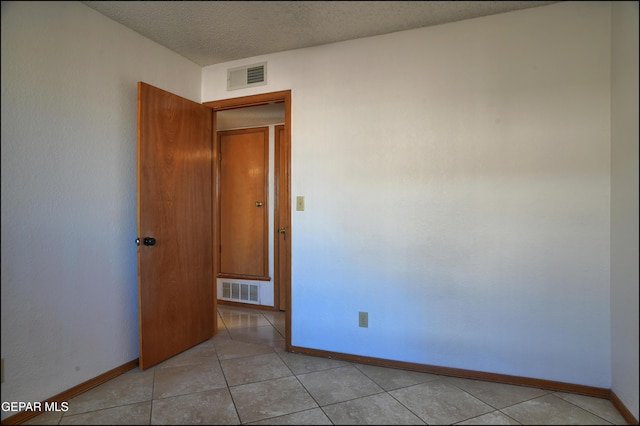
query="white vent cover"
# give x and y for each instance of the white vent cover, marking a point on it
(240, 291)
(247, 76)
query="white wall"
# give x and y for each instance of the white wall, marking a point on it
(624, 203)
(69, 283)
(457, 189)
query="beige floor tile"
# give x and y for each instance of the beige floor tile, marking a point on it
(379, 409)
(46, 418)
(195, 355)
(315, 416)
(271, 398)
(440, 402)
(301, 364)
(274, 317)
(181, 380)
(493, 418)
(239, 371)
(598, 406)
(222, 334)
(222, 328)
(264, 335)
(129, 388)
(134, 414)
(551, 410)
(247, 318)
(338, 385)
(498, 395)
(228, 349)
(213, 407)
(281, 329)
(280, 346)
(394, 378)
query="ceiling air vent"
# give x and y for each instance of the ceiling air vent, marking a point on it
(247, 76)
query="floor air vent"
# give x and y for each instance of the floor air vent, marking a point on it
(239, 291)
(247, 76)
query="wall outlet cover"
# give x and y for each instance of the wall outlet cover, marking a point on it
(363, 319)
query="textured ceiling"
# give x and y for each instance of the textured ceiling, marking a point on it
(211, 32)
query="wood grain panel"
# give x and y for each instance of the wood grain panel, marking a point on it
(175, 281)
(282, 273)
(244, 209)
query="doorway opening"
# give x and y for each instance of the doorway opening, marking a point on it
(274, 111)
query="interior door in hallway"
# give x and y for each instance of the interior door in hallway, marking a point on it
(244, 156)
(174, 224)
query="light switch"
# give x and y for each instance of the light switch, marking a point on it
(300, 203)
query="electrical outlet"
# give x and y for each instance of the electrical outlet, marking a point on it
(363, 319)
(300, 203)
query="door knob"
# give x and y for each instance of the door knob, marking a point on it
(148, 241)
(258, 203)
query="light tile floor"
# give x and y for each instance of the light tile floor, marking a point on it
(244, 376)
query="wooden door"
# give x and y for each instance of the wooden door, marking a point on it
(176, 302)
(282, 247)
(244, 211)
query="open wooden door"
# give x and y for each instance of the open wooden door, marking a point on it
(176, 301)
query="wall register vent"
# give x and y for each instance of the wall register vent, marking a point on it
(247, 76)
(239, 291)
